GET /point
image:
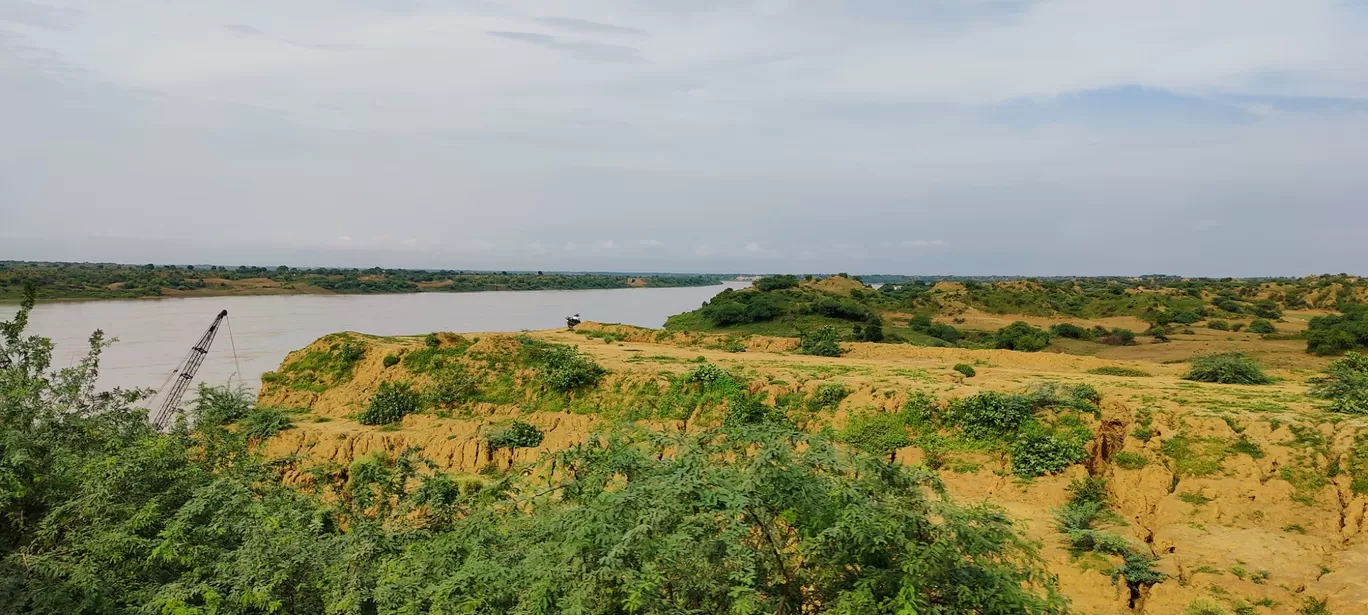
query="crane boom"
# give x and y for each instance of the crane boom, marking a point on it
(185, 372)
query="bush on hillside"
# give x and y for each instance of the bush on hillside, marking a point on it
(517, 434)
(431, 340)
(1268, 308)
(565, 369)
(1345, 384)
(842, 308)
(1335, 334)
(877, 433)
(1227, 368)
(872, 332)
(1022, 337)
(1118, 337)
(262, 423)
(990, 415)
(1217, 324)
(1260, 325)
(391, 360)
(390, 403)
(821, 342)
(731, 307)
(775, 282)
(1229, 305)
(1038, 452)
(1186, 317)
(1237, 326)
(966, 369)
(452, 386)
(1070, 331)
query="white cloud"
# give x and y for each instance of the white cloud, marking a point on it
(923, 243)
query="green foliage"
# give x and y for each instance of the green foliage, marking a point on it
(775, 282)
(1205, 606)
(733, 307)
(1263, 326)
(822, 342)
(990, 415)
(262, 423)
(709, 373)
(390, 360)
(1082, 522)
(827, 396)
(350, 352)
(1218, 325)
(1227, 368)
(1314, 606)
(1022, 337)
(1116, 337)
(1186, 317)
(1070, 331)
(431, 340)
(1116, 370)
(453, 386)
(1194, 498)
(966, 369)
(390, 404)
(876, 433)
(562, 368)
(1088, 489)
(517, 434)
(1038, 451)
(1128, 460)
(1345, 384)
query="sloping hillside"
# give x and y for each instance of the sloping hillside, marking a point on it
(1249, 496)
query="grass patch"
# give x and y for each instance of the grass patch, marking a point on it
(1114, 370)
(1128, 460)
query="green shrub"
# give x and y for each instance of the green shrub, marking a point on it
(1345, 384)
(827, 396)
(263, 423)
(431, 340)
(1227, 368)
(877, 433)
(1237, 326)
(1218, 325)
(775, 282)
(990, 414)
(563, 368)
(452, 386)
(1335, 334)
(390, 404)
(1205, 606)
(1070, 331)
(1022, 337)
(516, 434)
(1087, 489)
(1260, 325)
(1118, 337)
(966, 369)
(391, 360)
(1186, 317)
(1116, 370)
(709, 373)
(822, 342)
(351, 352)
(1037, 452)
(1127, 460)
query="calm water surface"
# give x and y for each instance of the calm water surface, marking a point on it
(155, 334)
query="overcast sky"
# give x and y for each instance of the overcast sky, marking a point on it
(1219, 137)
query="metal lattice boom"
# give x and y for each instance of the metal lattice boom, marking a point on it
(185, 372)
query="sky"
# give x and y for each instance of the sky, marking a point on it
(1009, 137)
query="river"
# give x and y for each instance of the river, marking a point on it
(155, 334)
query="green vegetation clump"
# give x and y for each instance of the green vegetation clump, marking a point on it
(1227, 368)
(1345, 384)
(262, 423)
(561, 368)
(1039, 451)
(1115, 337)
(1082, 521)
(775, 282)
(1218, 325)
(390, 404)
(1071, 331)
(390, 360)
(517, 434)
(453, 386)
(966, 369)
(1128, 460)
(1263, 326)
(990, 415)
(1022, 337)
(877, 433)
(1336, 334)
(1116, 370)
(822, 342)
(826, 397)
(431, 340)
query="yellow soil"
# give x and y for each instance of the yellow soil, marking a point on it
(1310, 543)
(835, 284)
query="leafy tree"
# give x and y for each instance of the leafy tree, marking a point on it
(1345, 384)
(1331, 335)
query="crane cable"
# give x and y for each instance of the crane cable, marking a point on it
(237, 367)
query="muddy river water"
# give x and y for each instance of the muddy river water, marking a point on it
(153, 335)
